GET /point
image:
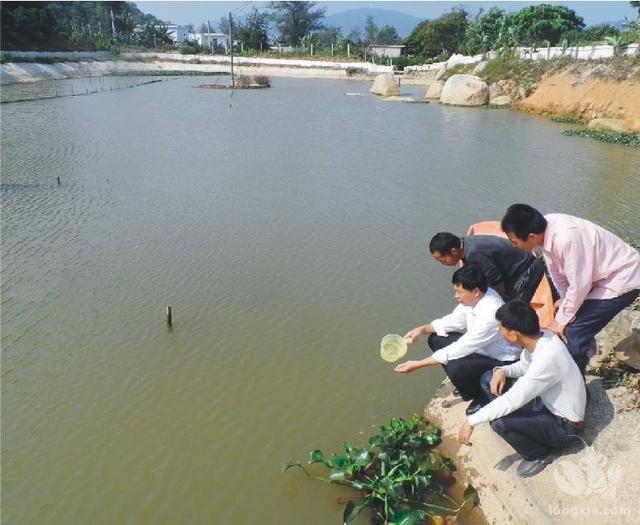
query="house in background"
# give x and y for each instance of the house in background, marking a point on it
(177, 33)
(392, 51)
(205, 40)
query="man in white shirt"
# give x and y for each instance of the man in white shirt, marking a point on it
(546, 369)
(466, 356)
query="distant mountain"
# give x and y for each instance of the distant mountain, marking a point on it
(347, 20)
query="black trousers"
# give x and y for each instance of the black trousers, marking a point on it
(532, 431)
(465, 372)
(593, 316)
(525, 285)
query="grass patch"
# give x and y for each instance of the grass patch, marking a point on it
(525, 71)
(458, 69)
(611, 137)
(565, 119)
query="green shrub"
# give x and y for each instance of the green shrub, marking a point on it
(351, 71)
(565, 119)
(189, 48)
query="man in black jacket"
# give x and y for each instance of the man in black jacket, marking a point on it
(513, 273)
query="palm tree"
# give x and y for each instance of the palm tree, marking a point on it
(619, 42)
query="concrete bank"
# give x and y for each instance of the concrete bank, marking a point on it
(596, 483)
(14, 72)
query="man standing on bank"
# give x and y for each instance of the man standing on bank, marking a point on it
(546, 370)
(466, 356)
(513, 273)
(596, 273)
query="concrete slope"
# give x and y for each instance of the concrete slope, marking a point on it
(598, 483)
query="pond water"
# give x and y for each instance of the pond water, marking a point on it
(288, 228)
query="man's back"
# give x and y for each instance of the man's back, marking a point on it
(577, 247)
(499, 260)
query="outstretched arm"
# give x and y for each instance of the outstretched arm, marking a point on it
(413, 335)
(409, 366)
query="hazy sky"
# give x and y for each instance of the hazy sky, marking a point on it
(593, 12)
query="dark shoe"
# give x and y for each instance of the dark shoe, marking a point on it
(527, 468)
(473, 407)
(456, 392)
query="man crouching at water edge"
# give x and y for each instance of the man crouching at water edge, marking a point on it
(596, 273)
(513, 273)
(546, 369)
(466, 356)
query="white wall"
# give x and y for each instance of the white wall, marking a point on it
(543, 53)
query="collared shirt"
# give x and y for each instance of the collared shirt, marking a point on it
(549, 372)
(587, 262)
(481, 332)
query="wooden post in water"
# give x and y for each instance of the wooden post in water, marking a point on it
(58, 181)
(233, 84)
(169, 319)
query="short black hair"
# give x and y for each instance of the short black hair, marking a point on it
(521, 220)
(519, 316)
(444, 242)
(470, 276)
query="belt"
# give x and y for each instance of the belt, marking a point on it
(575, 424)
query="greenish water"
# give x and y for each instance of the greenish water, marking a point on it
(288, 228)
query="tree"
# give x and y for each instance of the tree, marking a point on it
(223, 25)
(387, 35)
(203, 28)
(254, 33)
(373, 34)
(294, 20)
(619, 43)
(370, 31)
(544, 23)
(355, 36)
(483, 33)
(636, 5)
(69, 26)
(329, 35)
(152, 35)
(598, 33)
(442, 36)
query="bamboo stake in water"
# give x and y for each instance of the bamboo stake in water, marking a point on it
(169, 319)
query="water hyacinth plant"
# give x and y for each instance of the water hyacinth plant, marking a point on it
(612, 137)
(400, 475)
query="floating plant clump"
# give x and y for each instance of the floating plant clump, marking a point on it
(626, 139)
(400, 475)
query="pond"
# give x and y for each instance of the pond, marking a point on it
(288, 229)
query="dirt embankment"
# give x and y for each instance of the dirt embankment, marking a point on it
(605, 95)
